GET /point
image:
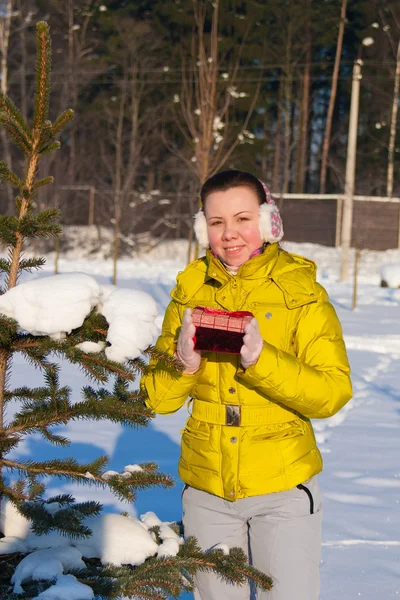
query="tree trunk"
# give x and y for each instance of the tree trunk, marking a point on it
(22, 71)
(304, 115)
(5, 26)
(72, 92)
(329, 118)
(288, 136)
(265, 153)
(277, 153)
(118, 180)
(393, 124)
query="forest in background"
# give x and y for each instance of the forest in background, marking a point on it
(167, 92)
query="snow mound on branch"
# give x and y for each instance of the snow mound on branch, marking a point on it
(130, 314)
(12, 523)
(50, 540)
(67, 588)
(170, 540)
(91, 347)
(45, 565)
(56, 305)
(51, 305)
(118, 540)
(11, 544)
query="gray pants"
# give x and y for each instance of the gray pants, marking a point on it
(280, 531)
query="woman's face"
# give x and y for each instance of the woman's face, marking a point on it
(232, 224)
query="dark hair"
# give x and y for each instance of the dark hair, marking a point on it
(220, 182)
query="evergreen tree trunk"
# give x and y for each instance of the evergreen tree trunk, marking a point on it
(329, 118)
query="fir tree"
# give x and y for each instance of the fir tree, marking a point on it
(22, 482)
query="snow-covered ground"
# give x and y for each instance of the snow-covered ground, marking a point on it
(360, 445)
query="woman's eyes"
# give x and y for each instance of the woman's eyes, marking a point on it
(239, 219)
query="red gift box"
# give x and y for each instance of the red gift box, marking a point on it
(219, 330)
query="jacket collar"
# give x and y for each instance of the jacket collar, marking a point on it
(257, 267)
(294, 275)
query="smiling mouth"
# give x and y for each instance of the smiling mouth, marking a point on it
(234, 249)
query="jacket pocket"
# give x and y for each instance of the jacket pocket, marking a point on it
(278, 431)
(311, 491)
(196, 429)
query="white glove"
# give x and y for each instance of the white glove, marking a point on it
(252, 344)
(185, 345)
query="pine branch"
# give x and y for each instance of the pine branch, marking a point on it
(36, 356)
(126, 485)
(8, 330)
(8, 107)
(4, 265)
(67, 468)
(67, 520)
(62, 121)
(23, 489)
(26, 341)
(40, 412)
(16, 134)
(42, 182)
(12, 495)
(170, 361)
(8, 443)
(47, 148)
(138, 365)
(43, 70)
(96, 366)
(10, 177)
(22, 393)
(41, 225)
(8, 230)
(30, 264)
(47, 217)
(161, 577)
(57, 440)
(45, 134)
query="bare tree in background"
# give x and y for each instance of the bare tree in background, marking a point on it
(396, 97)
(287, 48)
(329, 118)
(26, 11)
(80, 46)
(128, 120)
(302, 134)
(393, 126)
(205, 99)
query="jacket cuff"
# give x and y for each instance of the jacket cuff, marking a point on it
(262, 368)
(167, 388)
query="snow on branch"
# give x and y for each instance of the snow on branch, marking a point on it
(56, 305)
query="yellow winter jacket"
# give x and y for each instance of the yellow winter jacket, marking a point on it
(301, 374)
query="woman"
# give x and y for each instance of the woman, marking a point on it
(248, 456)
